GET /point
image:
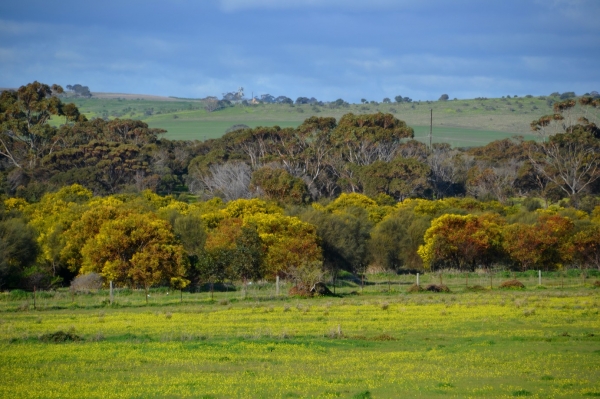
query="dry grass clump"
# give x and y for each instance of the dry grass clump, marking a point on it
(528, 312)
(512, 285)
(519, 303)
(437, 288)
(336, 333)
(98, 337)
(415, 288)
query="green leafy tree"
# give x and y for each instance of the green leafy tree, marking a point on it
(344, 239)
(360, 138)
(399, 178)
(25, 135)
(189, 229)
(18, 250)
(396, 239)
(106, 167)
(277, 184)
(247, 261)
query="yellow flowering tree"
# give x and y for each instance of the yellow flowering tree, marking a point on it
(136, 249)
(51, 217)
(462, 242)
(289, 242)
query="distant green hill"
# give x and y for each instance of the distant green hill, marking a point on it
(472, 122)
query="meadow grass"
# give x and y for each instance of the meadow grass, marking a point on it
(380, 344)
(461, 123)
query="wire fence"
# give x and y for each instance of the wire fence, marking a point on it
(346, 285)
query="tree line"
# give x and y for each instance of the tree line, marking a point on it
(145, 239)
(297, 202)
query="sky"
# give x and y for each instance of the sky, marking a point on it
(327, 49)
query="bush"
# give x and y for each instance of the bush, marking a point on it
(86, 282)
(531, 204)
(319, 289)
(512, 285)
(19, 295)
(437, 288)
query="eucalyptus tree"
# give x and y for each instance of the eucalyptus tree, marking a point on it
(25, 135)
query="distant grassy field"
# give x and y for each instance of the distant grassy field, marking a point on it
(458, 122)
(542, 343)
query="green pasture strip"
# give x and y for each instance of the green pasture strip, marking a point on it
(461, 123)
(488, 344)
(207, 129)
(462, 137)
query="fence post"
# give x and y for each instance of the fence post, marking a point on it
(111, 292)
(539, 277)
(34, 297)
(277, 285)
(417, 279)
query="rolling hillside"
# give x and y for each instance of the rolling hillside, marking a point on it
(472, 122)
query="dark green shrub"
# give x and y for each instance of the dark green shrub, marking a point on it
(60, 336)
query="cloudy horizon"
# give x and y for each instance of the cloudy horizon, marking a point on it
(326, 49)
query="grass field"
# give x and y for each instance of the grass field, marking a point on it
(381, 343)
(471, 122)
